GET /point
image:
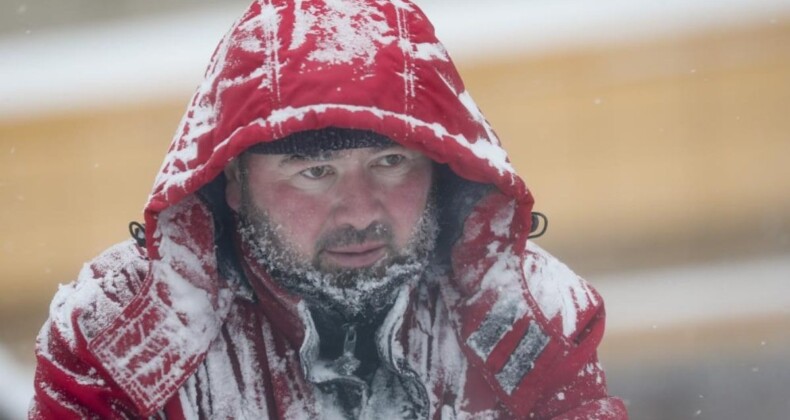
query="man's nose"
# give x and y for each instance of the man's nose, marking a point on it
(358, 200)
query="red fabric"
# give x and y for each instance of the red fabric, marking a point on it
(142, 332)
(415, 98)
(72, 384)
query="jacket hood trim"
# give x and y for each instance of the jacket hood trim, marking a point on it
(462, 155)
(286, 67)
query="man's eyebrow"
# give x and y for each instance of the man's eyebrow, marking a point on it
(385, 147)
(325, 155)
(307, 157)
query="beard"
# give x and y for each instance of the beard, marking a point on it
(355, 294)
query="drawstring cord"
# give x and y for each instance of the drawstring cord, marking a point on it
(137, 231)
(350, 340)
(536, 223)
(347, 363)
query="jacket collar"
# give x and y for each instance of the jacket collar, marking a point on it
(291, 317)
(159, 339)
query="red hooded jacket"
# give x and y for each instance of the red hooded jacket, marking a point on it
(171, 330)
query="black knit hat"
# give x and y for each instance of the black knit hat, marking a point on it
(313, 142)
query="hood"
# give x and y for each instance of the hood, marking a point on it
(289, 66)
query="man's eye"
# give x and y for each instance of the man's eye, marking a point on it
(391, 160)
(316, 172)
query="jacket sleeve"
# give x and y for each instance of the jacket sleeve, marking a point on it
(526, 322)
(69, 382)
(583, 397)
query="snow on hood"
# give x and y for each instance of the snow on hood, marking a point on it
(289, 66)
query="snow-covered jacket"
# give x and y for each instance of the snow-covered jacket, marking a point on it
(180, 326)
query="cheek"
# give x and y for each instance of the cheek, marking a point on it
(406, 204)
(299, 216)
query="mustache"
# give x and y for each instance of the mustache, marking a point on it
(348, 235)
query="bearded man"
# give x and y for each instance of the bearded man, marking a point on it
(336, 232)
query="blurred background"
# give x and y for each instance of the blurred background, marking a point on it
(654, 135)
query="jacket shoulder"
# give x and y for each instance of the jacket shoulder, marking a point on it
(560, 294)
(103, 288)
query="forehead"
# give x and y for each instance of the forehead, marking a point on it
(273, 161)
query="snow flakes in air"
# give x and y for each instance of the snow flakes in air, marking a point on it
(350, 30)
(557, 289)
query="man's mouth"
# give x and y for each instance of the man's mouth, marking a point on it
(356, 255)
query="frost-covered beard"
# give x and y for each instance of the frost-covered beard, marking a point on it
(355, 293)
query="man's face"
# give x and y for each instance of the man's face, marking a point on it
(338, 211)
(343, 229)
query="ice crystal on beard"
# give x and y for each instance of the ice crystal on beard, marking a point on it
(354, 293)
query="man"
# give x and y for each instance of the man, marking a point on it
(336, 232)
